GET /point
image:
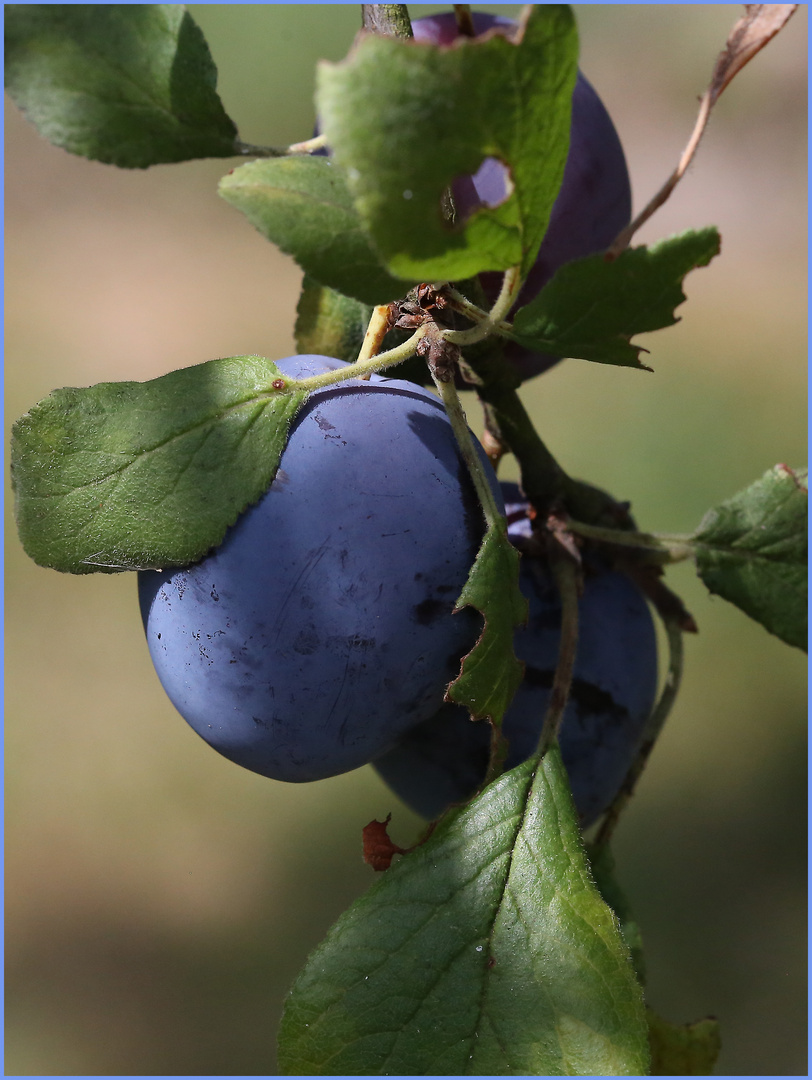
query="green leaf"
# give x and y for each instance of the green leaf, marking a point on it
(491, 674)
(128, 84)
(591, 308)
(405, 118)
(128, 475)
(303, 205)
(603, 870)
(752, 550)
(485, 951)
(329, 323)
(683, 1049)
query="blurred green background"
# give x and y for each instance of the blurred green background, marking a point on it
(159, 899)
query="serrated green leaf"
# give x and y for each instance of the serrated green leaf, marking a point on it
(329, 323)
(128, 84)
(303, 205)
(128, 475)
(602, 863)
(491, 674)
(752, 550)
(485, 951)
(405, 118)
(592, 308)
(683, 1049)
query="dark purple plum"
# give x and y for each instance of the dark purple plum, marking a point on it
(321, 629)
(444, 759)
(593, 203)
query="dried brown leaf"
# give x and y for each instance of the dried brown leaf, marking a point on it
(379, 850)
(759, 24)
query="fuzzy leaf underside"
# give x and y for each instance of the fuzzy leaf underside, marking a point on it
(752, 550)
(129, 475)
(491, 674)
(128, 84)
(485, 951)
(303, 205)
(602, 864)
(592, 308)
(392, 103)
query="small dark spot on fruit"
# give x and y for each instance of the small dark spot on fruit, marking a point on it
(307, 641)
(323, 422)
(214, 595)
(428, 611)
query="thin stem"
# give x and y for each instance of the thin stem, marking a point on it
(465, 21)
(376, 332)
(565, 572)
(307, 147)
(462, 433)
(542, 476)
(511, 283)
(459, 303)
(318, 142)
(250, 150)
(360, 369)
(670, 549)
(389, 20)
(623, 239)
(651, 731)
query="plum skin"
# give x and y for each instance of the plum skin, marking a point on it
(322, 627)
(444, 759)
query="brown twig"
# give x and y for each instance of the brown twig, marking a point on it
(759, 24)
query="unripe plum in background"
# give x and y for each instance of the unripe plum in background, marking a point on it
(593, 204)
(444, 759)
(322, 628)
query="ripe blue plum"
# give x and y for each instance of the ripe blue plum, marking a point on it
(444, 759)
(593, 203)
(322, 628)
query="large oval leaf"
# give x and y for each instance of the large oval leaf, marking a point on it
(486, 951)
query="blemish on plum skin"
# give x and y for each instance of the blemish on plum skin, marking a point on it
(429, 610)
(323, 423)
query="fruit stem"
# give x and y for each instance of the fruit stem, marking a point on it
(668, 549)
(463, 305)
(650, 733)
(376, 332)
(462, 433)
(565, 571)
(390, 20)
(245, 149)
(361, 367)
(511, 283)
(542, 477)
(318, 142)
(465, 21)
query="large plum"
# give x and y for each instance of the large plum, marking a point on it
(593, 203)
(321, 629)
(444, 759)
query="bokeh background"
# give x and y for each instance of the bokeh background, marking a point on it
(160, 900)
